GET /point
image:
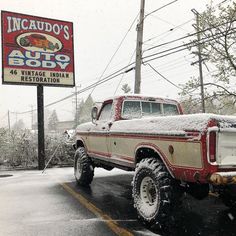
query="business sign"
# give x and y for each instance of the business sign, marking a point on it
(36, 50)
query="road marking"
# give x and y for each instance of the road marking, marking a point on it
(112, 224)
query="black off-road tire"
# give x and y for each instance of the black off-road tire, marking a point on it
(153, 192)
(228, 197)
(83, 168)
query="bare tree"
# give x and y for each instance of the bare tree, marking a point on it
(218, 47)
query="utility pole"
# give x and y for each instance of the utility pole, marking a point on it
(139, 44)
(76, 105)
(32, 116)
(9, 122)
(200, 60)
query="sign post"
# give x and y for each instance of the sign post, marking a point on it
(37, 51)
(41, 147)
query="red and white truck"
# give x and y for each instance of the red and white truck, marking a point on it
(169, 152)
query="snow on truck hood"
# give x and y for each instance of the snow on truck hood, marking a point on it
(173, 125)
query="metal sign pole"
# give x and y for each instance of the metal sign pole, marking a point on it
(41, 147)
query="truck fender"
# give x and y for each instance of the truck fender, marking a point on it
(149, 150)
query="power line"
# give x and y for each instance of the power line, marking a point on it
(186, 36)
(116, 51)
(100, 80)
(168, 31)
(160, 8)
(183, 47)
(124, 74)
(163, 76)
(110, 77)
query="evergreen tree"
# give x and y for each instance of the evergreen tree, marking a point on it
(126, 88)
(19, 125)
(53, 121)
(85, 110)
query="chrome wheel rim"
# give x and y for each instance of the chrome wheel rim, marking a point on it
(148, 197)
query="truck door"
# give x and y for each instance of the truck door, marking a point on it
(99, 134)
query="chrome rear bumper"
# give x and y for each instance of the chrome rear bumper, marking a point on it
(223, 178)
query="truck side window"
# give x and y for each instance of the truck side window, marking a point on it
(151, 108)
(170, 109)
(156, 108)
(131, 109)
(106, 112)
(146, 108)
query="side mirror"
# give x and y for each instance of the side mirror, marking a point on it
(94, 114)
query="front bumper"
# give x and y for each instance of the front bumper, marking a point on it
(223, 178)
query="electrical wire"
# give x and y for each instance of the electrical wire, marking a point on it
(110, 77)
(168, 32)
(160, 8)
(163, 76)
(182, 47)
(124, 74)
(119, 46)
(186, 36)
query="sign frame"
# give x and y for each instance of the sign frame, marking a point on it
(68, 53)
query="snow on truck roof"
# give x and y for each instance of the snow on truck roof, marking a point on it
(142, 97)
(171, 124)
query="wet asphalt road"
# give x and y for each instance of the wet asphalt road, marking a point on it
(32, 203)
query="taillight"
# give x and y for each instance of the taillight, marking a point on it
(212, 146)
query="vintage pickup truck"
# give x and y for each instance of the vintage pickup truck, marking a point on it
(169, 152)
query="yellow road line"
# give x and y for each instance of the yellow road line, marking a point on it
(99, 213)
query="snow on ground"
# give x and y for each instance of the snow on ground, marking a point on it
(99, 172)
(67, 174)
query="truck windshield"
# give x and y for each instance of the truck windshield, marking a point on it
(138, 109)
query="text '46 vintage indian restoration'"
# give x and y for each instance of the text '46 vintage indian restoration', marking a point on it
(171, 153)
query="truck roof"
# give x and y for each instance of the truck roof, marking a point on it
(142, 97)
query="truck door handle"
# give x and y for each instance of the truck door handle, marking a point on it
(103, 127)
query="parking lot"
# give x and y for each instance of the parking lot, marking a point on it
(51, 203)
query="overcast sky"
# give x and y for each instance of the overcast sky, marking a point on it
(99, 27)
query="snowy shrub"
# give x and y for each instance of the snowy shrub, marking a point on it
(20, 148)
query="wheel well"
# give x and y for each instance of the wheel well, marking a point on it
(79, 143)
(145, 152)
(142, 153)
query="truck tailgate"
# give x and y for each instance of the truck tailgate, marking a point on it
(226, 147)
